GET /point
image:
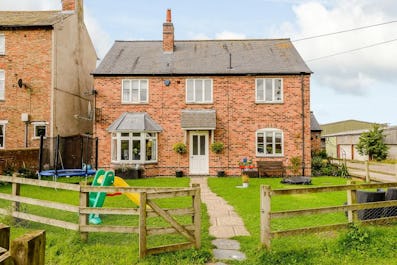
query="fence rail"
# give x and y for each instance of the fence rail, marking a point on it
(148, 208)
(352, 209)
(376, 171)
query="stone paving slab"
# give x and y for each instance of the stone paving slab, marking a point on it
(226, 244)
(229, 254)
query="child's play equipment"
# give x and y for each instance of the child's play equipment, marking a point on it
(96, 199)
(68, 156)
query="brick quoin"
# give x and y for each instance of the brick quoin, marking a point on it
(238, 118)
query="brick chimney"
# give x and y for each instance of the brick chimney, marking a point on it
(168, 34)
(68, 5)
(74, 6)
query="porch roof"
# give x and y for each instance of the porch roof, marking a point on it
(136, 122)
(198, 120)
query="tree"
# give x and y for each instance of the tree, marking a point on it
(371, 143)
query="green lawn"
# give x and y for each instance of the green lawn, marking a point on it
(65, 247)
(369, 245)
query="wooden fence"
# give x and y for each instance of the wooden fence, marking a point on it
(370, 171)
(352, 207)
(148, 208)
(28, 249)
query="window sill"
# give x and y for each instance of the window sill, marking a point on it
(132, 163)
(199, 103)
(262, 155)
(269, 102)
(134, 103)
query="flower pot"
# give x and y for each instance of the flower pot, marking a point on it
(220, 173)
(245, 184)
(179, 173)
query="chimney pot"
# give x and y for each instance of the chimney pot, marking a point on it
(168, 20)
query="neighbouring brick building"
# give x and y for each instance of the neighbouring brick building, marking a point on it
(46, 58)
(252, 95)
(315, 129)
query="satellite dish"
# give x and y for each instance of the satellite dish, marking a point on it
(20, 83)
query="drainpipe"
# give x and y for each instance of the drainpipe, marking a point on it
(303, 123)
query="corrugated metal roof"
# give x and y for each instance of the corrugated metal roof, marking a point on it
(198, 119)
(135, 122)
(206, 57)
(31, 18)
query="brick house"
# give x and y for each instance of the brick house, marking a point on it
(251, 95)
(46, 58)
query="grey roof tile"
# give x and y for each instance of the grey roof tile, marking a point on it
(207, 57)
(314, 125)
(135, 122)
(198, 119)
(31, 18)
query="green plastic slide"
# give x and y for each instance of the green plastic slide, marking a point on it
(102, 178)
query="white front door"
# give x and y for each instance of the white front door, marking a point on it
(199, 153)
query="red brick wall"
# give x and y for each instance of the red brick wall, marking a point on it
(19, 158)
(27, 57)
(238, 119)
(316, 141)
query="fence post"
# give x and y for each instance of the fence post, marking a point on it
(367, 177)
(16, 189)
(351, 199)
(395, 170)
(142, 225)
(29, 249)
(197, 215)
(265, 200)
(4, 237)
(83, 218)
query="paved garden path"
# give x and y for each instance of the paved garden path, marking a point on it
(224, 223)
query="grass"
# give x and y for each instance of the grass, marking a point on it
(65, 247)
(369, 245)
(357, 245)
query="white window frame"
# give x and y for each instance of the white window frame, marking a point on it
(3, 124)
(272, 88)
(140, 89)
(2, 44)
(116, 138)
(2, 84)
(274, 131)
(39, 124)
(195, 91)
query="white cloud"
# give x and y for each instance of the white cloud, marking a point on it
(101, 39)
(355, 72)
(227, 35)
(26, 5)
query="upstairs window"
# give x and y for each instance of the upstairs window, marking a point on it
(134, 91)
(2, 84)
(198, 91)
(269, 142)
(269, 90)
(2, 44)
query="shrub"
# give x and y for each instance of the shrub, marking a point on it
(217, 147)
(179, 148)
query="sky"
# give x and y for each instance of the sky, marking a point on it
(348, 81)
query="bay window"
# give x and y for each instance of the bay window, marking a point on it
(134, 147)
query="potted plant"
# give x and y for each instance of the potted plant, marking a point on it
(295, 166)
(180, 149)
(245, 178)
(217, 148)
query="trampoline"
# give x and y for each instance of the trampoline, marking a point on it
(297, 180)
(68, 173)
